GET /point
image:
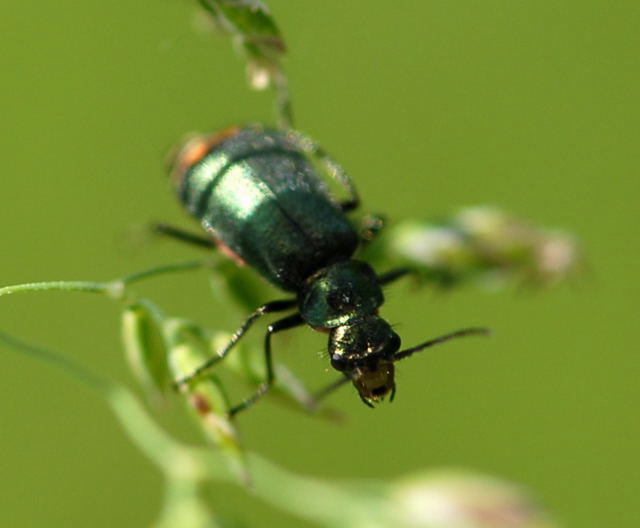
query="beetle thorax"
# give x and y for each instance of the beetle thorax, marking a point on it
(340, 294)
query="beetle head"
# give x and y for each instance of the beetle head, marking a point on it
(364, 351)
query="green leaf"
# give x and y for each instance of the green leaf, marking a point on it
(251, 21)
(145, 347)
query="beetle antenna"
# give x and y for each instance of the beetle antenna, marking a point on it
(459, 333)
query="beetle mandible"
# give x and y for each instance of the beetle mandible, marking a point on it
(261, 200)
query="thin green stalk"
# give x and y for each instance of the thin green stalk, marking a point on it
(168, 268)
(252, 25)
(87, 286)
(284, 109)
(57, 360)
(114, 287)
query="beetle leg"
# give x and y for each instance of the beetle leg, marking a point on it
(182, 235)
(393, 275)
(335, 170)
(370, 226)
(271, 307)
(325, 391)
(283, 324)
(349, 205)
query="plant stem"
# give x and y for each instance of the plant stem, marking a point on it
(114, 287)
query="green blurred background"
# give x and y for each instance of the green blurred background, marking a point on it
(432, 105)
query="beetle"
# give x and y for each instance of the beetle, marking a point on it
(261, 200)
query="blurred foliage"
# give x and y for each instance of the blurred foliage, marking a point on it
(160, 348)
(484, 245)
(446, 500)
(480, 245)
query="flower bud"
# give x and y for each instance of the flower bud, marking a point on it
(145, 348)
(205, 396)
(457, 499)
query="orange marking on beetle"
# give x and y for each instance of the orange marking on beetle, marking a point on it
(223, 135)
(193, 152)
(197, 148)
(226, 250)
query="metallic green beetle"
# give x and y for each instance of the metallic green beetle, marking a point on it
(259, 197)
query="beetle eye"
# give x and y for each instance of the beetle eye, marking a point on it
(392, 345)
(338, 362)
